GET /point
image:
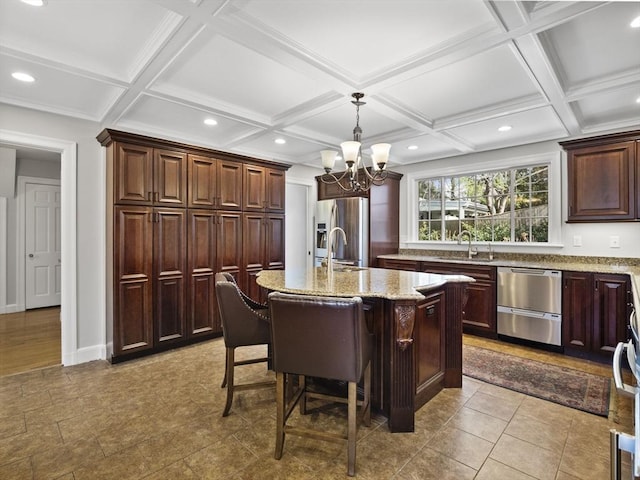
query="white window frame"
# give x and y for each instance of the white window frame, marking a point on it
(551, 159)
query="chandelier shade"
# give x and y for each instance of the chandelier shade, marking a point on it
(357, 177)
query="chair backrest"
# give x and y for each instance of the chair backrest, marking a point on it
(241, 324)
(319, 336)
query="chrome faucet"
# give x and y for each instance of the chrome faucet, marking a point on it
(330, 244)
(472, 251)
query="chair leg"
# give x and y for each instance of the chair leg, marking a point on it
(229, 379)
(281, 402)
(226, 366)
(302, 383)
(352, 428)
(367, 396)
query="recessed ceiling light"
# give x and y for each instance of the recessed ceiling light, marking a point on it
(412, 147)
(504, 128)
(280, 141)
(635, 23)
(638, 100)
(210, 121)
(23, 77)
(35, 3)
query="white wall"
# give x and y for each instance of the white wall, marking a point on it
(8, 169)
(90, 209)
(595, 236)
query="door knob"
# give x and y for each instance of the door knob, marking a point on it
(31, 255)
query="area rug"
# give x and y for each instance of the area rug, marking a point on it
(566, 386)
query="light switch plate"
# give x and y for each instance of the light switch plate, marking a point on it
(577, 240)
(614, 241)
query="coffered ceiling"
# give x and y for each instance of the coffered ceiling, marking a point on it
(440, 76)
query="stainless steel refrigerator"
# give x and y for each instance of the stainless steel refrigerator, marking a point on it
(350, 214)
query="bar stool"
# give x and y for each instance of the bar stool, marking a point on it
(244, 323)
(323, 337)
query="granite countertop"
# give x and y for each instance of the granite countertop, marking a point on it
(365, 282)
(628, 266)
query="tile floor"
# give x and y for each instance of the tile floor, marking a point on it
(159, 418)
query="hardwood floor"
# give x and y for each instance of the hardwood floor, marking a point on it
(29, 340)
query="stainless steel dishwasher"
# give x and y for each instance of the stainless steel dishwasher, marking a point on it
(530, 304)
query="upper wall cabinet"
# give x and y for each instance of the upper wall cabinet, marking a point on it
(149, 176)
(604, 178)
(264, 189)
(214, 183)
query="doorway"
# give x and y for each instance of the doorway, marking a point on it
(298, 226)
(68, 227)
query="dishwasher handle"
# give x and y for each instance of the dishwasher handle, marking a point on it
(535, 271)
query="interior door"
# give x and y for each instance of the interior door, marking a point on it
(42, 246)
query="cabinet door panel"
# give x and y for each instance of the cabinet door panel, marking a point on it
(202, 181)
(480, 309)
(170, 178)
(170, 236)
(254, 188)
(609, 312)
(133, 274)
(429, 340)
(229, 185)
(275, 246)
(276, 186)
(601, 182)
(229, 243)
(133, 182)
(577, 307)
(253, 252)
(202, 315)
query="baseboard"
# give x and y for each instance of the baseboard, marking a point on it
(85, 354)
(11, 308)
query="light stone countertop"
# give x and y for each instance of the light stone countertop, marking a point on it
(367, 282)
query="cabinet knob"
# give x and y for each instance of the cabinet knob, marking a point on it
(31, 255)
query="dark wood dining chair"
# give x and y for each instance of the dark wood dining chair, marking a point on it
(244, 323)
(322, 337)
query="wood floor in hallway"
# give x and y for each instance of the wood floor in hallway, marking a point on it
(29, 340)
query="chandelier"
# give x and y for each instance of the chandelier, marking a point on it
(359, 177)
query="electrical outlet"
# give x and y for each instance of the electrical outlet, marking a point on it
(577, 240)
(614, 241)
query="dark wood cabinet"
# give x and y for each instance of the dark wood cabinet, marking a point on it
(202, 314)
(229, 243)
(147, 176)
(170, 264)
(394, 264)
(262, 248)
(429, 344)
(595, 312)
(132, 280)
(174, 219)
(479, 313)
(264, 189)
(384, 205)
(214, 183)
(603, 178)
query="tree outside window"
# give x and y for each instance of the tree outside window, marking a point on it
(501, 206)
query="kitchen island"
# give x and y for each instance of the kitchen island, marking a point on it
(416, 320)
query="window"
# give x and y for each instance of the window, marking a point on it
(499, 206)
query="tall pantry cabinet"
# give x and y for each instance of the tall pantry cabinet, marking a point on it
(176, 215)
